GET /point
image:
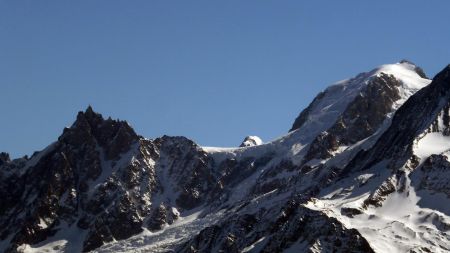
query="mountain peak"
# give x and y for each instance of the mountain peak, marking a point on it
(329, 104)
(89, 111)
(414, 66)
(87, 119)
(114, 135)
(407, 61)
(402, 70)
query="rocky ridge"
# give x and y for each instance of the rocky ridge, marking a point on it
(333, 184)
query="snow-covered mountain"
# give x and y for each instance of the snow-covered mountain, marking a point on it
(364, 168)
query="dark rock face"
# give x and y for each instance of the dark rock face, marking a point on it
(434, 175)
(412, 118)
(162, 216)
(380, 193)
(271, 181)
(115, 136)
(193, 184)
(232, 171)
(293, 223)
(4, 158)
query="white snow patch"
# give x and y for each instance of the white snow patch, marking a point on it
(67, 239)
(431, 143)
(363, 178)
(42, 224)
(406, 73)
(400, 225)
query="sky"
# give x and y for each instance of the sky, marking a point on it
(213, 71)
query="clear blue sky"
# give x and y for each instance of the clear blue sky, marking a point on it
(214, 71)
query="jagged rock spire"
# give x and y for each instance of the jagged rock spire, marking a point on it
(115, 136)
(4, 158)
(88, 119)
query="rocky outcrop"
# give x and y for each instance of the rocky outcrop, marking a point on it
(433, 175)
(379, 194)
(251, 141)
